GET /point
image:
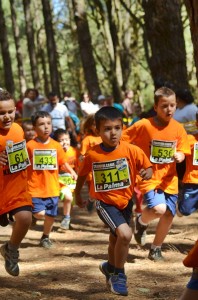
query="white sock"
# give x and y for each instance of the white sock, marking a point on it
(155, 247)
(140, 221)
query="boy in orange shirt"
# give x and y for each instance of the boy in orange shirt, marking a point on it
(67, 183)
(15, 200)
(189, 197)
(165, 143)
(46, 156)
(114, 165)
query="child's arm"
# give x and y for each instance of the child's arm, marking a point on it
(66, 167)
(146, 174)
(79, 184)
(3, 158)
(179, 156)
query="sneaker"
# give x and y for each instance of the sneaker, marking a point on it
(118, 284)
(140, 233)
(11, 260)
(103, 269)
(65, 224)
(46, 243)
(155, 254)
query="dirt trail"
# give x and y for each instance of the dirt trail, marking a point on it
(70, 269)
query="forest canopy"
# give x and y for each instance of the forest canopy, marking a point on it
(103, 46)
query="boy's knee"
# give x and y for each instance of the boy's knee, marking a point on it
(160, 209)
(126, 236)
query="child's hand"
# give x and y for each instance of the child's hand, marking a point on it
(79, 201)
(74, 175)
(3, 158)
(146, 174)
(179, 157)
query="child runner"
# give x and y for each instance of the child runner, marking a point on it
(165, 142)
(188, 203)
(46, 156)
(15, 200)
(28, 129)
(90, 139)
(68, 184)
(191, 261)
(114, 165)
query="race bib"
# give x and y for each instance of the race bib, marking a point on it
(67, 180)
(18, 158)
(111, 175)
(45, 159)
(195, 155)
(162, 152)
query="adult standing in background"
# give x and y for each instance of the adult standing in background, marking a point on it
(72, 105)
(30, 106)
(127, 103)
(186, 110)
(87, 106)
(59, 113)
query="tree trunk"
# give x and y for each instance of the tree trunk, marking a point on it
(192, 9)
(164, 34)
(15, 29)
(86, 51)
(8, 75)
(51, 47)
(31, 44)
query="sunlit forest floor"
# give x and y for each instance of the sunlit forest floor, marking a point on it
(70, 269)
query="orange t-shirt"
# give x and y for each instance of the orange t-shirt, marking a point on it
(13, 186)
(88, 142)
(114, 173)
(145, 133)
(44, 183)
(72, 155)
(191, 173)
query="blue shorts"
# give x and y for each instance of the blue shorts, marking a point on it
(112, 216)
(189, 199)
(156, 197)
(49, 205)
(193, 283)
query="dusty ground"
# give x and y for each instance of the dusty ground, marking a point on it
(70, 269)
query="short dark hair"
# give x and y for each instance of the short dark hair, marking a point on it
(162, 92)
(59, 132)
(107, 113)
(185, 95)
(52, 94)
(26, 122)
(5, 95)
(39, 114)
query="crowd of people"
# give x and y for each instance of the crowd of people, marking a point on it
(50, 148)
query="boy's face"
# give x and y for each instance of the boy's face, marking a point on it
(43, 128)
(7, 114)
(29, 132)
(64, 140)
(110, 132)
(165, 109)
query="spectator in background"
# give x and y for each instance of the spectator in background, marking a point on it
(29, 104)
(186, 110)
(128, 103)
(59, 113)
(72, 105)
(87, 106)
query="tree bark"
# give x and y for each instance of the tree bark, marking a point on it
(164, 35)
(31, 44)
(192, 9)
(8, 75)
(86, 51)
(15, 29)
(51, 47)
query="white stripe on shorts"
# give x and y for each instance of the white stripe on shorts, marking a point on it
(105, 216)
